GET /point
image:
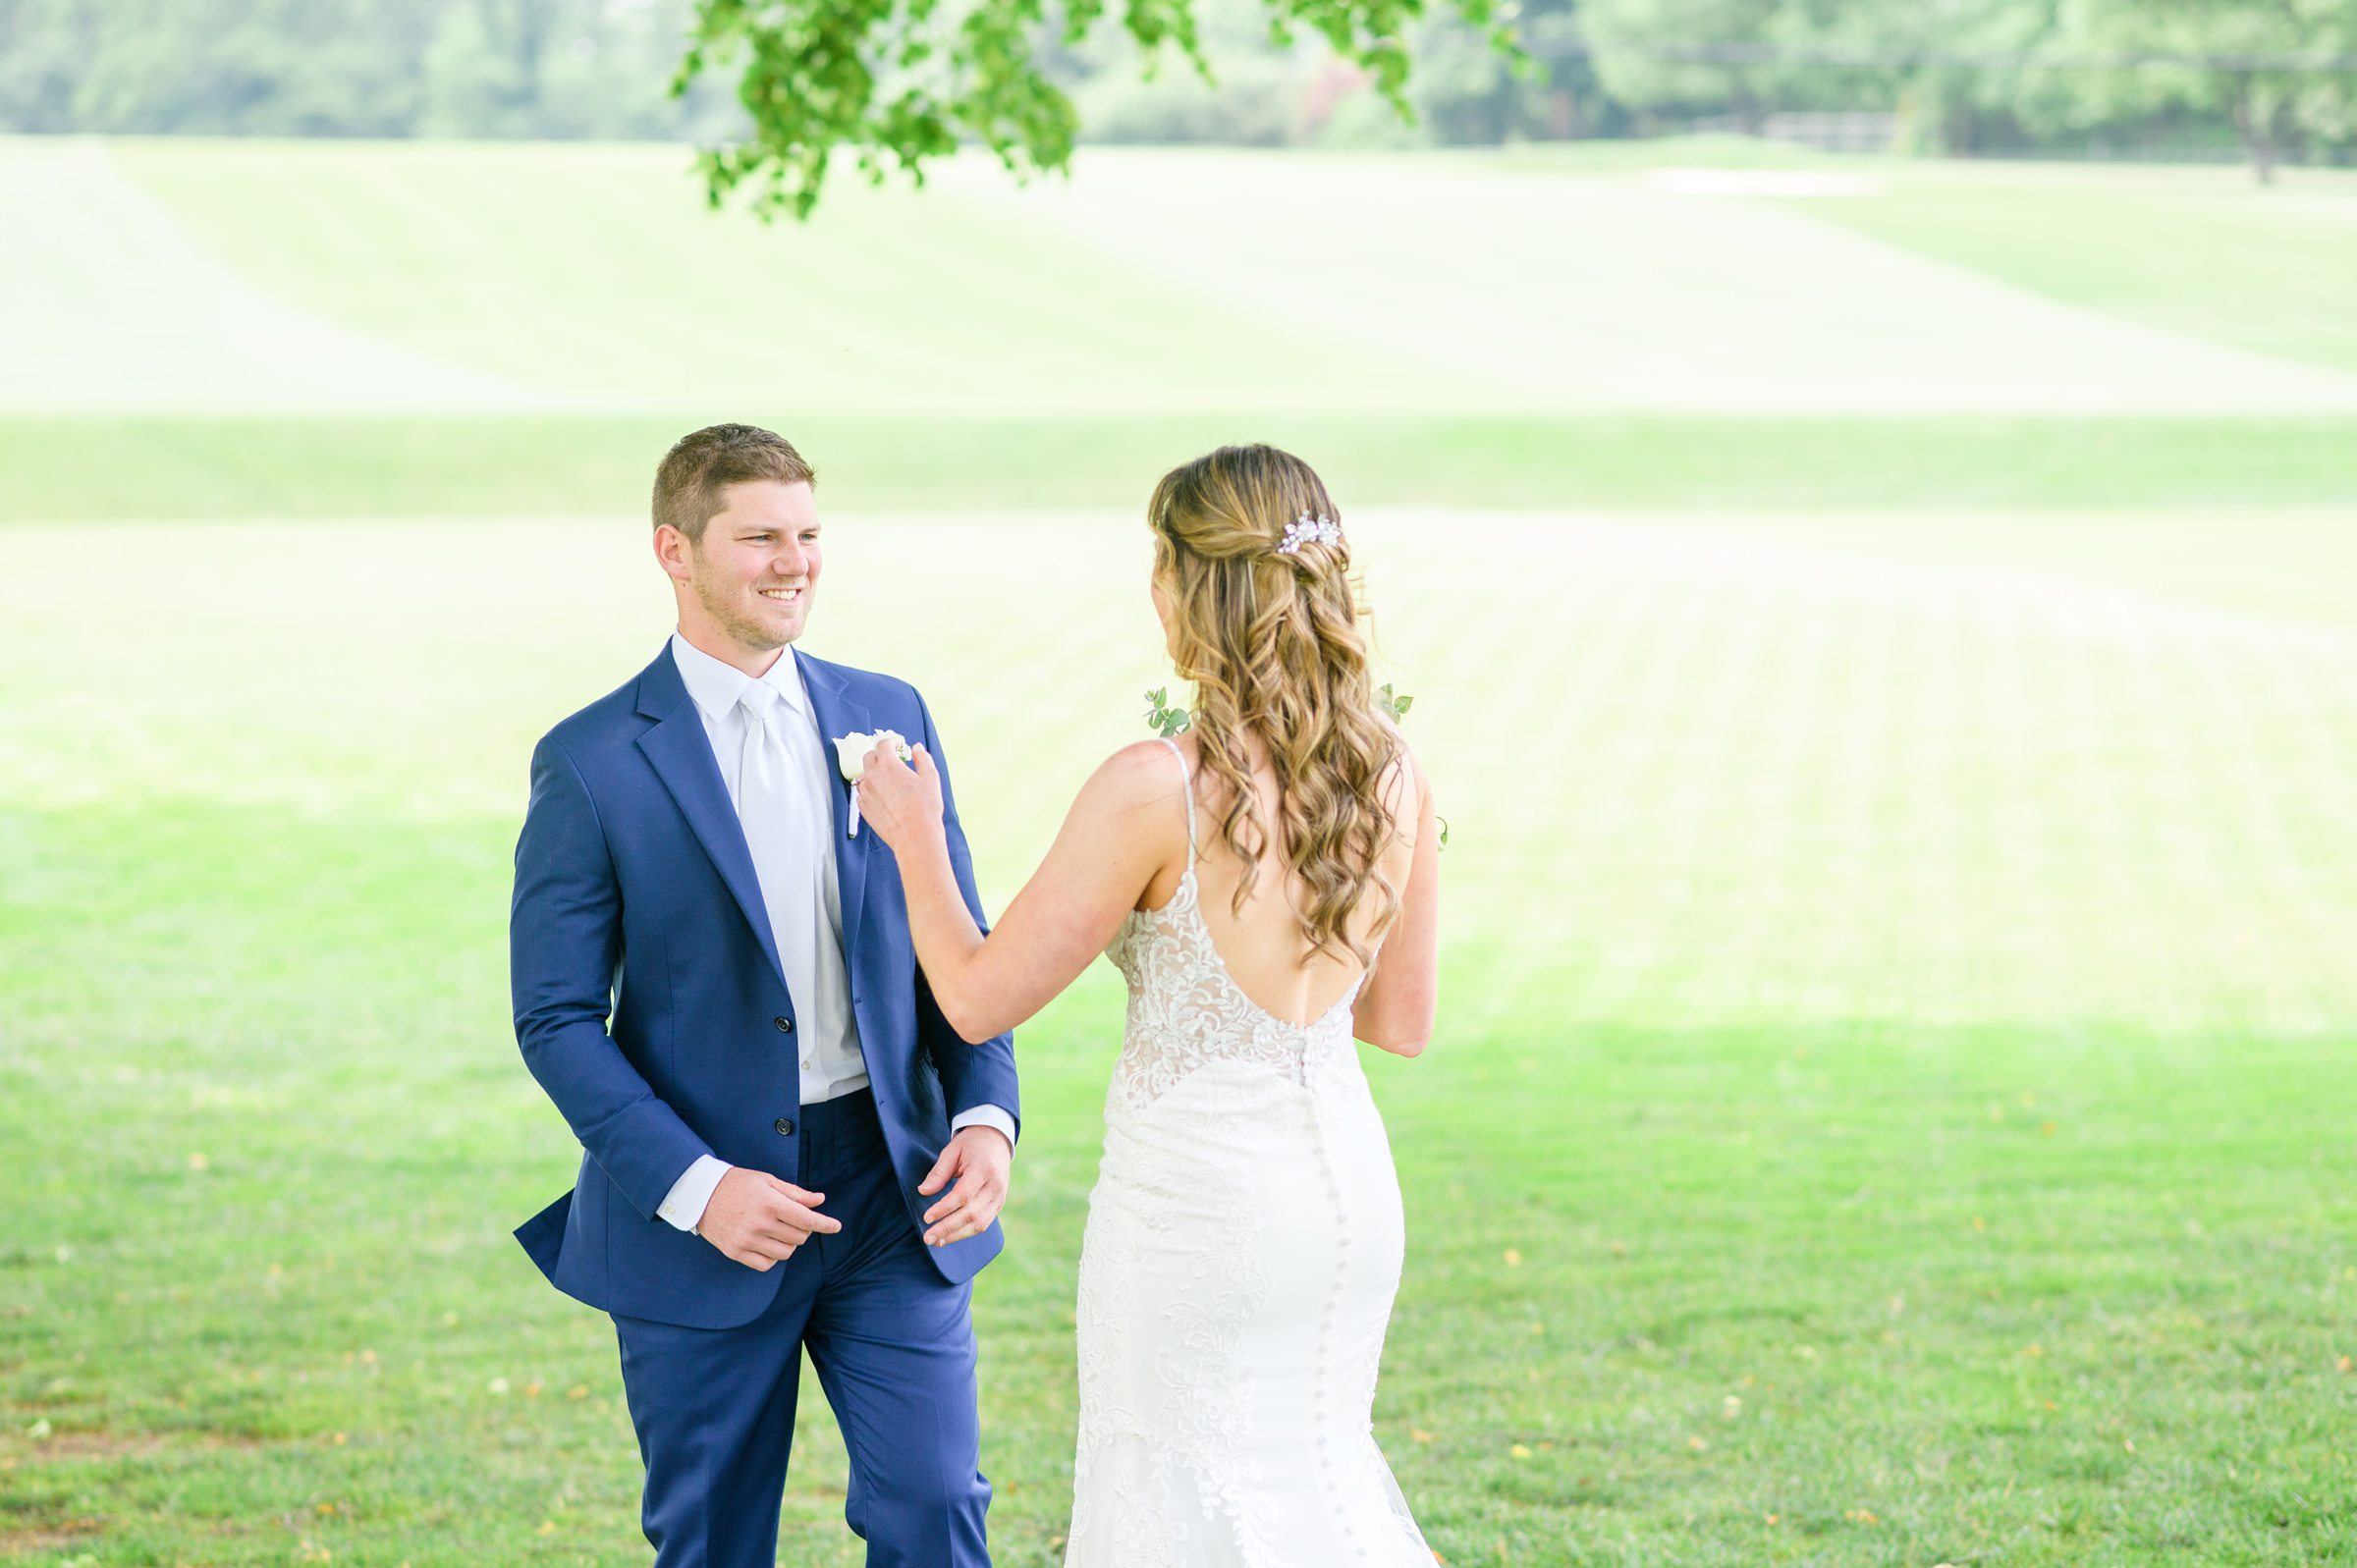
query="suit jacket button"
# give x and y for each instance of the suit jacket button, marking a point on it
(785, 1025)
(785, 1127)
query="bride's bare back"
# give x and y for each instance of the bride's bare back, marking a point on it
(1260, 943)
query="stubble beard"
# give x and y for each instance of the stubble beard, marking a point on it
(746, 629)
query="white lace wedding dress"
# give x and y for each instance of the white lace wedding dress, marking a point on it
(1242, 1250)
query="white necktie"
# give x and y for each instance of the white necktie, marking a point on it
(774, 808)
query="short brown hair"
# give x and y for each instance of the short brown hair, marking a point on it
(700, 465)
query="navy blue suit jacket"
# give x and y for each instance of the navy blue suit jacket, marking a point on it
(650, 1005)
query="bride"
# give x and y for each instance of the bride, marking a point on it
(1245, 1239)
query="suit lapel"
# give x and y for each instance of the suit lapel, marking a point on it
(681, 755)
(840, 714)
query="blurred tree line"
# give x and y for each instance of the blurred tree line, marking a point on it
(2274, 79)
(560, 69)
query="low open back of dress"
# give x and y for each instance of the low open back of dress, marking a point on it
(1266, 932)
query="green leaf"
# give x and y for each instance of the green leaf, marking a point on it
(808, 77)
(1163, 719)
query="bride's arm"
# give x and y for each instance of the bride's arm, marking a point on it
(1124, 827)
(1396, 1007)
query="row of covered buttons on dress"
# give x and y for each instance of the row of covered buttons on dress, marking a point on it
(1327, 1322)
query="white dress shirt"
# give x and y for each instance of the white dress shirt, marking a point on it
(816, 976)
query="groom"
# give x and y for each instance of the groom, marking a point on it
(786, 1145)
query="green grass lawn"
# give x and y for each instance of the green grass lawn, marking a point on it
(1891, 672)
(2203, 253)
(239, 330)
(100, 468)
(177, 276)
(1889, 1107)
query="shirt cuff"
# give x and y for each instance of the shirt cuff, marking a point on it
(984, 1116)
(684, 1208)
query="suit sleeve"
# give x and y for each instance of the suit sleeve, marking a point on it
(970, 1075)
(563, 951)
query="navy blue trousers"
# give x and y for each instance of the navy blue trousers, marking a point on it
(893, 1347)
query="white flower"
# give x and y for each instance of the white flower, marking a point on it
(850, 755)
(850, 751)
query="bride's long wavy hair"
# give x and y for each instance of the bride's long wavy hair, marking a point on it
(1273, 645)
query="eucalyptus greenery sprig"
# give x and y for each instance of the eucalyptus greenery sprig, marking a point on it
(1166, 720)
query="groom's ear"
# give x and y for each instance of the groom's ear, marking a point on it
(672, 549)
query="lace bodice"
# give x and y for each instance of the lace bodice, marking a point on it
(1185, 1009)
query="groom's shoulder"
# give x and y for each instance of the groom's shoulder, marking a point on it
(611, 718)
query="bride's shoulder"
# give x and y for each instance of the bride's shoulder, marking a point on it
(1136, 786)
(1140, 774)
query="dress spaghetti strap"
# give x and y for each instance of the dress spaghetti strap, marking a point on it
(1188, 774)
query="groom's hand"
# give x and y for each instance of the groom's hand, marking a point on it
(758, 1221)
(977, 1159)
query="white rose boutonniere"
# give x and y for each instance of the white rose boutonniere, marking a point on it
(850, 755)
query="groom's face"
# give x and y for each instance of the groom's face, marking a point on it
(757, 564)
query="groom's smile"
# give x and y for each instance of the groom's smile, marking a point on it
(790, 599)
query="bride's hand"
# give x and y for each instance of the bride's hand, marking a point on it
(900, 802)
